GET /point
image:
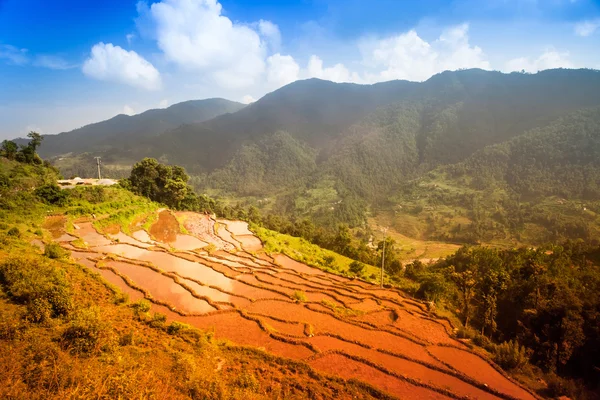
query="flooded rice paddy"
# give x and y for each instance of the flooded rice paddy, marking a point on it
(345, 327)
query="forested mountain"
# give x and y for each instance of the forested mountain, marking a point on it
(124, 130)
(330, 152)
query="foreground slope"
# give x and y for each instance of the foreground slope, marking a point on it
(67, 332)
(216, 277)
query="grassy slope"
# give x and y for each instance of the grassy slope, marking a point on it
(302, 250)
(131, 351)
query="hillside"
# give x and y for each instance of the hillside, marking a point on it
(187, 306)
(538, 187)
(337, 152)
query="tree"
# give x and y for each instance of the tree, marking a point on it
(166, 184)
(465, 282)
(28, 154)
(9, 149)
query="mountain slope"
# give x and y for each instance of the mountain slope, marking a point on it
(541, 186)
(123, 130)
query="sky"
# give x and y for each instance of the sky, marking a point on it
(67, 63)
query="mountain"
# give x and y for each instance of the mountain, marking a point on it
(123, 130)
(541, 186)
(330, 152)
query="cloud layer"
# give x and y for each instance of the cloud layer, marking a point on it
(114, 64)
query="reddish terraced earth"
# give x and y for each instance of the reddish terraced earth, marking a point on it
(347, 328)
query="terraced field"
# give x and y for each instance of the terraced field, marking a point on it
(215, 276)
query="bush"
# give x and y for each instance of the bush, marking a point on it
(126, 339)
(38, 284)
(11, 326)
(509, 355)
(141, 306)
(158, 320)
(121, 298)
(248, 381)
(299, 296)
(176, 327)
(39, 310)
(357, 267)
(52, 194)
(14, 232)
(54, 251)
(86, 331)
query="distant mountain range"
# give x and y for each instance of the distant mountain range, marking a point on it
(332, 151)
(125, 130)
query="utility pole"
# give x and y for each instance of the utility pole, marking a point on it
(383, 255)
(98, 162)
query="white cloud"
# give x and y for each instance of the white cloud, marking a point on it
(13, 54)
(130, 37)
(337, 73)
(194, 35)
(52, 62)
(548, 60)
(281, 70)
(164, 103)
(247, 99)
(128, 110)
(271, 33)
(587, 28)
(114, 64)
(408, 56)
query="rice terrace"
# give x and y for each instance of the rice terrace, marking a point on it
(214, 274)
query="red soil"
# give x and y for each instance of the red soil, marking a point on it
(163, 288)
(346, 368)
(238, 228)
(224, 234)
(255, 290)
(475, 367)
(405, 368)
(250, 242)
(56, 225)
(324, 323)
(294, 265)
(89, 235)
(166, 228)
(123, 238)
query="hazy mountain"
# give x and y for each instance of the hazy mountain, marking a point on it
(123, 130)
(328, 150)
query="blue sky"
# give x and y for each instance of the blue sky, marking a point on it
(67, 63)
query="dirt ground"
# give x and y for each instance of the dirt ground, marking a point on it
(338, 326)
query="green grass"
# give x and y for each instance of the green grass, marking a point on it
(301, 250)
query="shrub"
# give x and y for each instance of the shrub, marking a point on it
(176, 327)
(357, 267)
(299, 296)
(14, 232)
(54, 251)
(39, 310)
(141, 306)
(248, 381)
(126, 339)
(158, 320)
(38, 284)
(11, 326)
(85, 332)
(121, 298)
(509, 355)
(52, 194)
